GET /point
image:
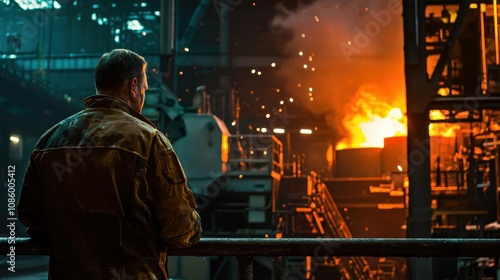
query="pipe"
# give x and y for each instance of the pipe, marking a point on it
(194, 22)
(317, 247)
(484, 66)
(495, 23)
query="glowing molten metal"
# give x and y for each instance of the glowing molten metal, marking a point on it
(367, 121)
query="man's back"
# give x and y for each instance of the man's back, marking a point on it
(111, 188)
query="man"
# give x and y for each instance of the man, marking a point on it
(105, 188)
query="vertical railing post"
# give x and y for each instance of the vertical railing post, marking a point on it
(245, 268)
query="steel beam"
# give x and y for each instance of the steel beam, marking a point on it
(418, 95)
(88, 62)
(194, 22)
(445, 54)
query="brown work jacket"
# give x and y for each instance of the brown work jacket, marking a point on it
(106, 190)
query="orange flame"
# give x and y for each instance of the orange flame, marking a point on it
(368, 121)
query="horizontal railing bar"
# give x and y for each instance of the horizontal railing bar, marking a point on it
(320, 247)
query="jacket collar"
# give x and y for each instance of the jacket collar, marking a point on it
(111, 102)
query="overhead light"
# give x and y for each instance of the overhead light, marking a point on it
(14, 139)
(305, 131)
(279, 130)
(134, 25)
(35, 5)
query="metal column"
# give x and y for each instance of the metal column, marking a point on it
(168, 42)
(421, 91)
(418, 96)
(4, 161)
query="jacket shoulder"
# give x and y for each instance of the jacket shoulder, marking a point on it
(102, 128)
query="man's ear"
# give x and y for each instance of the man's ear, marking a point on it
(133, 87)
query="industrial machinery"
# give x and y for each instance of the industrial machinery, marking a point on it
(439, 180)
(242, 191)
(242, 188)
(453, 191)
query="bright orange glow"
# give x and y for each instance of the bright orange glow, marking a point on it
(441, 129)
(388, 206)
(368, 121)
(444, 91)
(436, 115)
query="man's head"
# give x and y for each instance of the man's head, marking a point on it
(122, 73)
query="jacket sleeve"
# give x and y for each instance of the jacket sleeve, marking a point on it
(31, 206)
(174, 203)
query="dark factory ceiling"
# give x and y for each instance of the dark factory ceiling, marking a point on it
(30, 106)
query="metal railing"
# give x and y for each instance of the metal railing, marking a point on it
(255, 153)
(245, 249)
